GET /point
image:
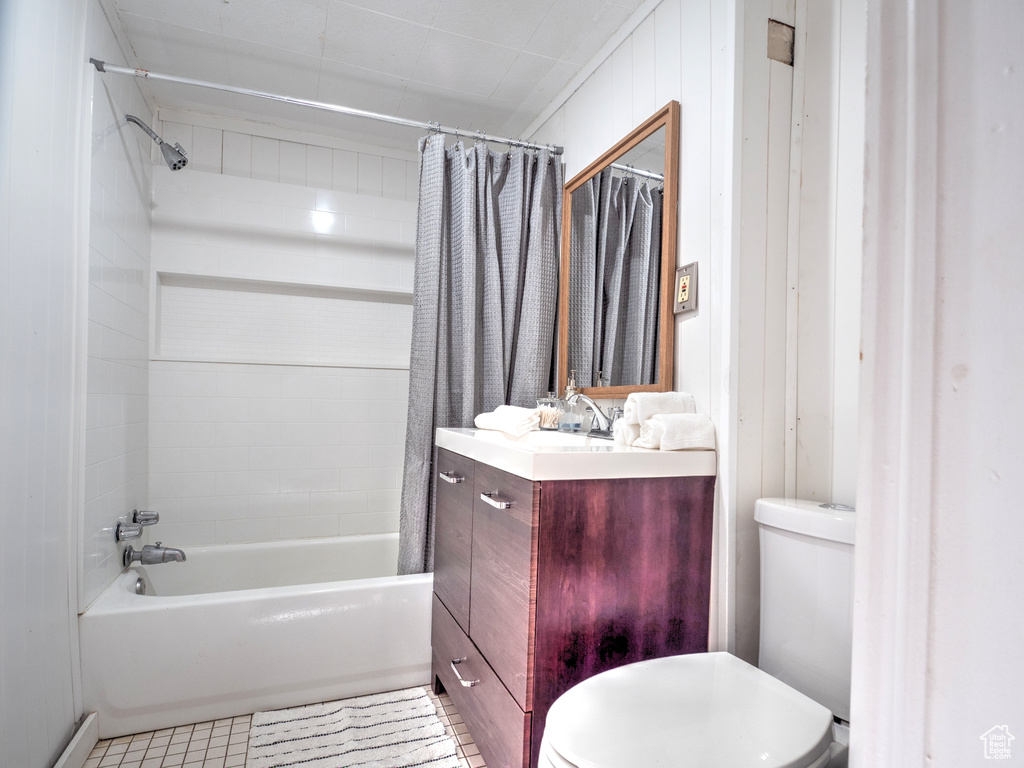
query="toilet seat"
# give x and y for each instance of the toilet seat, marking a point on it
(704, 709)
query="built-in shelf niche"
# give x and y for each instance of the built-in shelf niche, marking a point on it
(211, 318)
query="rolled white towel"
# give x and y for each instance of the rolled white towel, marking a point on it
(510, 419)
(640, 406)
(651, 432)
(625, 434)
(677, 432)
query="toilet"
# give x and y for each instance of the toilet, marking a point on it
(713, 709)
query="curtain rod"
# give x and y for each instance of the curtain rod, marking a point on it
(638, 171)
(102, 66)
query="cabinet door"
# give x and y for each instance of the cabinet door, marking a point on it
(453, 533)
(504, 576)
(499, 727)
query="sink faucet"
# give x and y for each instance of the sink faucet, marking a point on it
(602, 426)
(151, 555)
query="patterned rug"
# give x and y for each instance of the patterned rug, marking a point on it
(399, 729)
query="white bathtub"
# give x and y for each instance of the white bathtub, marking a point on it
(249, 627)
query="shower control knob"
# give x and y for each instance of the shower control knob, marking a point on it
(143, 517)
(128, 531)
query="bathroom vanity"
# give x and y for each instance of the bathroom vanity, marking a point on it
(558, 557)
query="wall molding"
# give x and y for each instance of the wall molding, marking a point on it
(81, 744)
(894, 571)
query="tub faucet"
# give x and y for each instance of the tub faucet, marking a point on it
(151, 555)
(602, 426)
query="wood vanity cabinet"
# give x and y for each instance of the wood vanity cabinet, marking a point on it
(539, 585)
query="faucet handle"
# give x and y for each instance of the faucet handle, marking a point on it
(614, 414)
(127, 531)
(143, 517)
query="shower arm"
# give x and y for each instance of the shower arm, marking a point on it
(102, 66)
(146, 128)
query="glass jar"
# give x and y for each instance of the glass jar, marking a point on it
(549, 409)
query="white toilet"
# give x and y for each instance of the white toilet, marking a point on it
(712, 709)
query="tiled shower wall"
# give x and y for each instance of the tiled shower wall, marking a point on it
(119, 256)
(281, 331)
(259, 452)
(234, 153)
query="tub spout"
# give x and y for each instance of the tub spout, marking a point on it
(151, 555)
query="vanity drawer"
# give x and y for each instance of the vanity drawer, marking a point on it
(453, 535)
(500, 728)
(503, 580)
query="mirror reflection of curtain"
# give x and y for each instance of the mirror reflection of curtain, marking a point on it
(614, 276)
(484, 301)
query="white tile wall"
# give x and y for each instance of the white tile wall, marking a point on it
(232, 153)
(258, 452)
(116, 462)
(280, 268)
(214, 224)
(252, 321)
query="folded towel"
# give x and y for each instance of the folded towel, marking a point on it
(677, 432)
(625, 434)
(510, 419)
(640, 406)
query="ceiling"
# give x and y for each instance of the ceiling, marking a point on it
(490, 65)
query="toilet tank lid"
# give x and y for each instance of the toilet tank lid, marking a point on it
(807, 517)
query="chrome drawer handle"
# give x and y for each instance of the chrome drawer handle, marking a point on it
(451, 477)
(466, 683)
(492, 498)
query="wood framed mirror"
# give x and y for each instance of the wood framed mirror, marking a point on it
(619, 217)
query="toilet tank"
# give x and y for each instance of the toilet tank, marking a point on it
(807, 598)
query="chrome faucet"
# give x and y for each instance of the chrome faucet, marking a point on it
(602, 426)
(151, 555)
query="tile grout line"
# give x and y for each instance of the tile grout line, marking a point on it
(196, 746)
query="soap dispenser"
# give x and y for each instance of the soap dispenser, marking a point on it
(570, 388)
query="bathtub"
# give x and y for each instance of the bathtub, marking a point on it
(249, 627)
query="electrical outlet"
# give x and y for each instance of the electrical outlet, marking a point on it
(686, 289)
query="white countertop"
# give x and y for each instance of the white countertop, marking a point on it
(566, 456)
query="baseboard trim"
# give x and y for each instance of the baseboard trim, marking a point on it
(81, 745)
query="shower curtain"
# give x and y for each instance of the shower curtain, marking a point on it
(483, 327)
(615, 260)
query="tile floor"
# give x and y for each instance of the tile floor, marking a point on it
(223, 744)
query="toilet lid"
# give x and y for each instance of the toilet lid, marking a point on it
(704, 709)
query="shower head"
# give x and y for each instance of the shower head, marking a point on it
(174, 156)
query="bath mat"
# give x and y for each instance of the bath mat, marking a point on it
(384, 730)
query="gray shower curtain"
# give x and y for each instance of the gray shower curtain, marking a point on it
(615, 261)
(483, 326)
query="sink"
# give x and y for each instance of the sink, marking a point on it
(548, 455)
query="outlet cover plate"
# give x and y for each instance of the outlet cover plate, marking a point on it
(685, 293)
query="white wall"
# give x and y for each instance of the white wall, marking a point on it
(280, 338)
(772, 353)
(43, 141)
(116, 442)
(683, 51)
(798, 329)
(937, 655)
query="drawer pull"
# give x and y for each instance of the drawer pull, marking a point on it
(451, 477)
(466, 683)
(492, 498)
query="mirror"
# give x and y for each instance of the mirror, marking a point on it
(619, 216)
